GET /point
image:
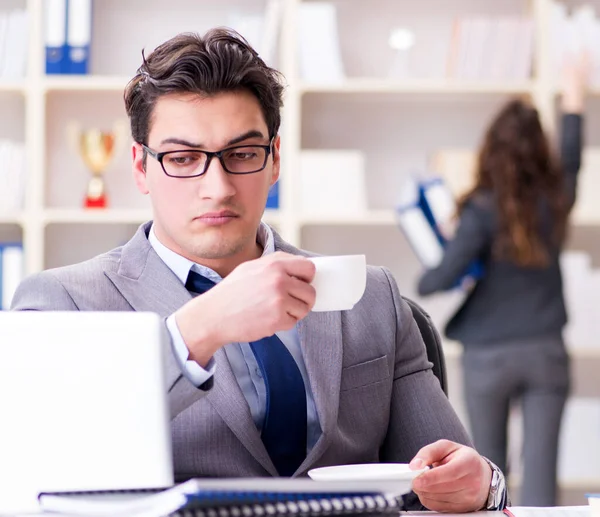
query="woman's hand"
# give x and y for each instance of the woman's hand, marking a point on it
(575, 79)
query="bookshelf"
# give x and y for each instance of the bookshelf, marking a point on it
(397, 123)
(47, 98)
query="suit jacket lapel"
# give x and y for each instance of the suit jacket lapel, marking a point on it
(229, 401)
(321, 342)
(320, 336)
(148, 284)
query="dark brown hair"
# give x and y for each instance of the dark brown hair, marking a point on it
(220, 61)
(518, 166)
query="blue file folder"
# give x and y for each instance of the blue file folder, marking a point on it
(423, 202)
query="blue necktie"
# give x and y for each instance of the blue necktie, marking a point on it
(284, 427)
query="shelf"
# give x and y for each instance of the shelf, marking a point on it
(370, 218)
(593, 91)
(388, 217)
(440, 86)
(99, 216)
(11, 219)
(85, 83)
(584, 219)
(12, 86)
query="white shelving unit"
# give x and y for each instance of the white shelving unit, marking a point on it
(52, 101)
(398, 124)
(84, 83)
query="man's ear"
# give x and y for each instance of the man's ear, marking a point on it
(276, 159)
(138, 168)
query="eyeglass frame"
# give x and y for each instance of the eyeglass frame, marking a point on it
(159, 156)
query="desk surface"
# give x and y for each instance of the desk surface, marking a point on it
(472, 514)
(520, 511)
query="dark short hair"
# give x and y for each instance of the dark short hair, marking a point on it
(220, 61)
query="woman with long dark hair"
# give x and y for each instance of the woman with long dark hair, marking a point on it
(514, 222)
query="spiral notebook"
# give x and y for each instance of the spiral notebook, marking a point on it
(243, 497)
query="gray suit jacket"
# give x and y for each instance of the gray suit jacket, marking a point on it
(375, 394)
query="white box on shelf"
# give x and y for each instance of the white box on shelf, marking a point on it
(581, 298)
(11, 272)
(249, 25)
(457, 167)
(579, 447)
(319, 44)
(586, 206)
(15, 45)
(260, 29)
(12, 176)
(333, 182)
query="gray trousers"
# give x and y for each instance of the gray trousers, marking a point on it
(534, 372)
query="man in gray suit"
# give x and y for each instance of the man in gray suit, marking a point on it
(258, 384)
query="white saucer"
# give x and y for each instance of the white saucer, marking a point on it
(365, 472)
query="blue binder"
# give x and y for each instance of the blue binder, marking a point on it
(79, 35)
(475, 269)
(419, 203)
(55, 21)
(273, 197)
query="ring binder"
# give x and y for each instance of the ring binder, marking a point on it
(425, 205)
(323, 505)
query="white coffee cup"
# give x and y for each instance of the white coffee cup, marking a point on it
(339, 281)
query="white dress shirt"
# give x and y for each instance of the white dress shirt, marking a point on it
(240, 355)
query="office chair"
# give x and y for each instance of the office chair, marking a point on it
(433, 342)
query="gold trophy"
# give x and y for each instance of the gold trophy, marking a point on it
(97, 149)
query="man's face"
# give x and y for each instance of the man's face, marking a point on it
(214, 216)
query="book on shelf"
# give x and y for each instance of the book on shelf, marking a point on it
(246, 497)
(11, 272)
(333, 182)
(319, 45)
(572, 31)
(12, 176)
(486, 48)
(13, 43)
(456, 166)
(273, 18)
(260, 29)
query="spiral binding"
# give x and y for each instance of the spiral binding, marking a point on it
(351, 505)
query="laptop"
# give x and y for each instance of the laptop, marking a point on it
(83, 404)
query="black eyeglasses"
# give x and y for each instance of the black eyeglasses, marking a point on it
(191, 163)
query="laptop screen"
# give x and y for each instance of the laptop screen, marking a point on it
(83, 404)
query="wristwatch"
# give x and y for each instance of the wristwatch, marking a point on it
(498, 495)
